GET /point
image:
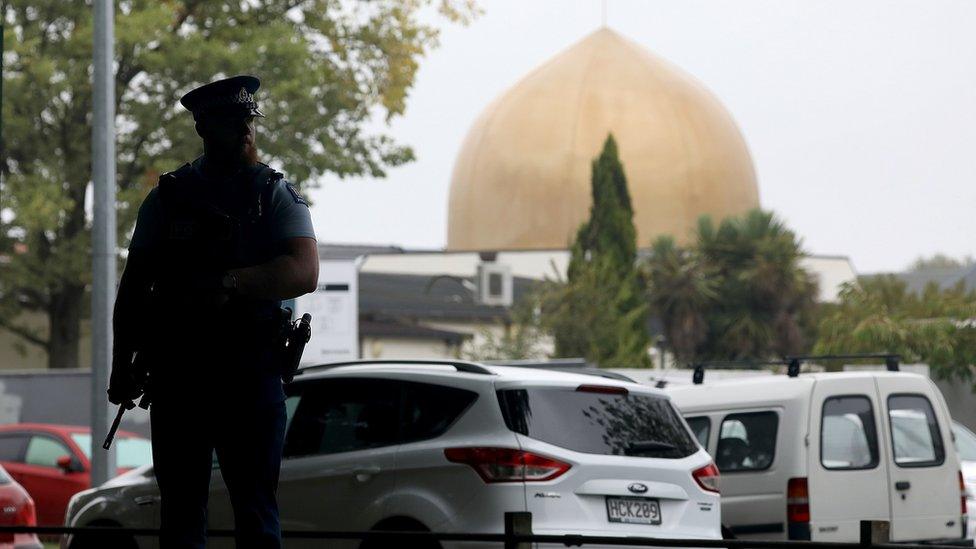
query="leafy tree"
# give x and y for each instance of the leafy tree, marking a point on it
(879, 313)
(599, 312)
(764, 291)
(681, 291)
(738, 292)
(328, 68)
(522, 337)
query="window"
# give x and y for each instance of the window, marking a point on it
(429, 410)
(965, 442)
(598, 423)
(45, 452)
(344, 415)
(747, 442)
(12, 447)
(700, 426)
(848, 437)
(131, 452)
(915, 436)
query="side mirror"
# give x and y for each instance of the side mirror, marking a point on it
(69, 464)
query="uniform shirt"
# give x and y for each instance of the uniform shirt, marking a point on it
(290, 217)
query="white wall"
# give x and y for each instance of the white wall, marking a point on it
(380, 347)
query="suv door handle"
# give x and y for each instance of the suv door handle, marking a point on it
(146, 500)
(903, 485)
(363, 474)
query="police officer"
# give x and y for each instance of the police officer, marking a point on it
(217, 245)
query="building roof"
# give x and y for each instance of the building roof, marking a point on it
(943, 277)
(396, 329)
(522, 176)
(397, 296)
(332, 251)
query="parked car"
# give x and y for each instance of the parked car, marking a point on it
(808, 457)
(452, 446)
(52, 462)
(16, 509)
(966, 444)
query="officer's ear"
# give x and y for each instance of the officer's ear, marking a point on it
(202, 128)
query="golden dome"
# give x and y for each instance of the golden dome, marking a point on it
(522, 178)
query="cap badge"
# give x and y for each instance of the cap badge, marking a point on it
(243, 96)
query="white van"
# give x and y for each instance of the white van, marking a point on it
(810, 456)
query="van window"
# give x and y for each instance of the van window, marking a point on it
(915, 437)
(747, 442)
(700, 426)
(848, 437)
(634, 424)
(965, 442)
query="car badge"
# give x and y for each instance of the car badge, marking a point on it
(638, 488)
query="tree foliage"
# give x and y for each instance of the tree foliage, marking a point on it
(522, 338)
(879, 314)
(599, 313)
(681, 291)
(328, 68)
(737, 292)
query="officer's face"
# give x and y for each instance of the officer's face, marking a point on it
(231, 138)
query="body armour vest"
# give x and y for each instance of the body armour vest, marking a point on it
(207, 230)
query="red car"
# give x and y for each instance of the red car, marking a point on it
(16, 509)
(52, 462)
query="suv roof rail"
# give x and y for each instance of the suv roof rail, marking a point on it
(459, 365)
(568, 365)
(541, 363)
(891, 360)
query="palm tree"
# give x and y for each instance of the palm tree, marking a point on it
(764, 291)
(680, 290)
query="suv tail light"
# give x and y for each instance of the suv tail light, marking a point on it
(707, 477)
(798, 509)
(26, 514)
(962, 495)
(507, 464)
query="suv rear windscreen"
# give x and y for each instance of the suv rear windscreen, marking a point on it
(625, 424)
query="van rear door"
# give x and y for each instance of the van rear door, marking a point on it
(848, 465)
(923, 471)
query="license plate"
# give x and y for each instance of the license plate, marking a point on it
(633, 510)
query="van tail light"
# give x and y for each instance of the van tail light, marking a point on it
(707, 477)
(798, 509)
(507, 464)
(962, 495)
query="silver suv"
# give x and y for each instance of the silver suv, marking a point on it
(452, 446)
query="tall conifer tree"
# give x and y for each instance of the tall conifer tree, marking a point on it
(599, 313)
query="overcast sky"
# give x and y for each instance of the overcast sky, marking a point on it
(860, 115)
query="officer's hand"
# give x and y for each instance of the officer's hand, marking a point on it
(124, 385)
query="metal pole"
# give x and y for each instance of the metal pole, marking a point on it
(103, 236)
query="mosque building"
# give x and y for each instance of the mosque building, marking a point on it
(520, 189)
(522, 178)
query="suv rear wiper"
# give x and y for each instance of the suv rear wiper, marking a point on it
(649, 446)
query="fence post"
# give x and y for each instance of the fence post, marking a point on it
(874, 532)
(518, 524)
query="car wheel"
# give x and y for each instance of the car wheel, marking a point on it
(400, 524)
(94, 541)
